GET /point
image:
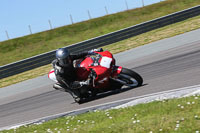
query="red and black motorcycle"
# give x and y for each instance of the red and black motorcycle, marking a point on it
(106, 75)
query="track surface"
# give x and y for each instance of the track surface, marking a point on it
(162, 70)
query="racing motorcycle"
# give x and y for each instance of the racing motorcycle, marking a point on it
(104, 75)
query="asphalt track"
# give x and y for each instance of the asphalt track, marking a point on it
(166, 65)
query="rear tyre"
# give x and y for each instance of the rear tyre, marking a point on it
(131, 78)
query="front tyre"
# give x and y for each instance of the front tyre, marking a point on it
(130, 78)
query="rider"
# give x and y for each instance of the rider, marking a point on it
(65, 73)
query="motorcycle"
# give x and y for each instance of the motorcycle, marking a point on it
(104, 75)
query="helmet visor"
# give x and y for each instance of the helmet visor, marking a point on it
(65, 61)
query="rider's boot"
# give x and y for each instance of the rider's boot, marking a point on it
(76, 95)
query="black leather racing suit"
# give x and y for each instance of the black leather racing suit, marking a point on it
(66, 75)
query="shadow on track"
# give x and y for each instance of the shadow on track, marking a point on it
(108, 93)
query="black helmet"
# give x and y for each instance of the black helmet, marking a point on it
(63, 56)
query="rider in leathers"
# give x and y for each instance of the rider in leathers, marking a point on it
(65, 73)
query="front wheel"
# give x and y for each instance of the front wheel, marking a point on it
(130, 78)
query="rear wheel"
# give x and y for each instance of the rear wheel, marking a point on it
(130, 78)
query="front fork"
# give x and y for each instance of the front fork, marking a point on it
(116, 70)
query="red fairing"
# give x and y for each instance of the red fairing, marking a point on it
(102, 63)
(116, 71)
(119, 69)
(52, 71)
(52, 75)
(83, 69)
(105, 53)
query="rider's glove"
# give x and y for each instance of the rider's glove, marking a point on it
(87, 82)
(95, 50)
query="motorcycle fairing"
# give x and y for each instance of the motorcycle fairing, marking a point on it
(105, 62)
(52, 75)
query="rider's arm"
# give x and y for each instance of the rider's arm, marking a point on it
(79, 55)
(85, 53)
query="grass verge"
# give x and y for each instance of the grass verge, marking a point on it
(169, 116)
(155, 35)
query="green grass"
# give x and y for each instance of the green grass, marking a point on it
(27, 46)
(169, 116)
